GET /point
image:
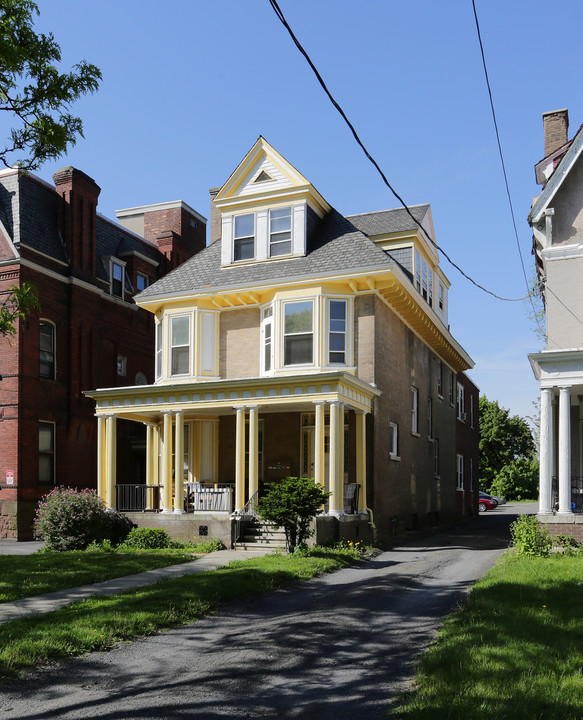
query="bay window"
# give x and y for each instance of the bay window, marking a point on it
(267, 333)
(244, 237)
(180, 345)
(159, 342)
(299, 332)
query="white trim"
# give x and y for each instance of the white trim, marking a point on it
(155, 207)
(562, 252)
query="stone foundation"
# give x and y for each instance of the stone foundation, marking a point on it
(567, 524)
(189, 527)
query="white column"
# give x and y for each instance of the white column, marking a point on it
(253, 450)
(110, 471)
(546, 452)
(336, 503)
(319, 470)
(361, 459)
(240, 459)
(101, 456)
(166, 469)
(179, 465)
(564, 450)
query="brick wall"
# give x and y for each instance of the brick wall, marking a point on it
(239, 344)
(556, 126)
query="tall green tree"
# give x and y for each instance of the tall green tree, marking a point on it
(504, 438)
(34, 92)
(18, 303)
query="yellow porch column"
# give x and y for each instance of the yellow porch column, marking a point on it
(101, 458)
(361, 459)
(240, 459)
(179, 466)
(166, 469)
(253, 451)
(319, 469)
(110, 470)
(336, 503)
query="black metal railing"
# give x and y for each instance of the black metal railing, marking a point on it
(244, 517)
(576, 493)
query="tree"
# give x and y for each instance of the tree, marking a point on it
(518, 480)
(292, 504)
(19, 302)
(34, 91)
(503, 440)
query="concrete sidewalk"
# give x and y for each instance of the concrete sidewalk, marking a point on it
(27, 607)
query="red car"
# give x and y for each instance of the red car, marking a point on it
(486, 502)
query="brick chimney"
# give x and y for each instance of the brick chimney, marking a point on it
(78, 219)
(215, 229)
(556, 126)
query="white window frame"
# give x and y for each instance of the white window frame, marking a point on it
(274, 236)
(337, 333)
(461, 403)
(441, 296)
(159, 358)
(286, 335)
(393, 440)
(115, 263)
(122, 365)
(53, 364)
(439, 379)
(207, 342)
(418, 271)
(459, 472)
(244, 239)
(414, 410)
(52, 452)
(267, 340)
(173, 347)
(451, 388)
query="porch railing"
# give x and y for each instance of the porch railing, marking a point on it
(208, 498)
(138, 498)
(576, 493)
(243, 518)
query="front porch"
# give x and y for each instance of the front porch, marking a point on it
(212, 446)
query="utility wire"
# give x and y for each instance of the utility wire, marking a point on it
(284, 22)
(528, 290)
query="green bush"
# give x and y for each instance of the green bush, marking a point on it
(208, 546)
(70, 519)
(518, 480)
(530, 537)
(149, 539)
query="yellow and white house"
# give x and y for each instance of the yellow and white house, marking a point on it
(303, 343)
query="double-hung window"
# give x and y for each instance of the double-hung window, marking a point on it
(244, 237)
(159, 344)
(267, 330)
(117, 279)
(429, 417)
(180, 345)
(142, 282)
(417, 271)
(47, 350)
(414, 410)
(393, 440)
(439, 378)
(299, 332)
(280, 232)
(461, 402)
(46, 453)
(460, 472)
(337, 332)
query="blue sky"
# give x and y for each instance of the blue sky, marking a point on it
(189, 85)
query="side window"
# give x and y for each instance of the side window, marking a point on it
(440, 378)
(429, 417)
(159, 341)
(180, 345)
(461, 403)
(393, 440)
(142, 282)
(244, 237)
(414, 410)
(267, 334)
(46, 453)
(47, 349)
(117, 279)
(280, 232)
(337, 332)
(460, 472)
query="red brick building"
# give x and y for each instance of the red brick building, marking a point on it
(467, 441)
(88, 332)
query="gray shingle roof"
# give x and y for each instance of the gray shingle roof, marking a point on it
(388, 221)
(336, 246)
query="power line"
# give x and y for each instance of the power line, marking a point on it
(504, 165)
(284, 22)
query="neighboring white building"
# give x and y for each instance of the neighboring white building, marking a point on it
(556, 218)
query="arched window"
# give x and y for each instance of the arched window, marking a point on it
(47, 348)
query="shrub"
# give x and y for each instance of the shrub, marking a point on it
(567, 544)
(517, 480)
(149, 539)
(208, 546)
(71, 519)
(529, 537)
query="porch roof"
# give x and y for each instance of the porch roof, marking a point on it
(147, 403)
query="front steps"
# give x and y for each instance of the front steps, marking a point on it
(259, 534)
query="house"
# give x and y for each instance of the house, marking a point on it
(556, 218)
(85, 270)
(298, 343)
(467, 446)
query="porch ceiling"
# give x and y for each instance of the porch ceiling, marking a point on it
(296, 393)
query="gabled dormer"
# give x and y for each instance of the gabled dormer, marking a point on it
(268, 209)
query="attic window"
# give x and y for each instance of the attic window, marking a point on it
(263, 177)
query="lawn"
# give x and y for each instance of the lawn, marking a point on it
(27, 575)
(100, 622)
(514, 651)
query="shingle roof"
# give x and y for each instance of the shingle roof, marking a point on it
(113, 239)
(336, 246)
(388, 221)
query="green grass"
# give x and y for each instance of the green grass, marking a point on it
(100, 622)
(27, 575)
(514, 651)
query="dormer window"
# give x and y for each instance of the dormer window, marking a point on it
(244, 237)
(117, 278)
(280, 232)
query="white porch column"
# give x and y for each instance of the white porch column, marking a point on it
(319, 469)
(110, 470)
(361, 459)
(150, 459)
(253, 450)
(240, 459)
(336, 503)
(101, 459)
(546, 452)
(179, 465)
(564, 450)
(166, 463)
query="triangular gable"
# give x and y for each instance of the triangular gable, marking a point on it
(7, 249)
(563, 169)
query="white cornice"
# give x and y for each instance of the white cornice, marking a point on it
(562, 252)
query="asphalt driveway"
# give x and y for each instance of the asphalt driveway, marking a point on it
(333, 648)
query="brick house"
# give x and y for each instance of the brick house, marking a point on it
(556, 218)
(467, 446)
(89, 332)
(303, 343)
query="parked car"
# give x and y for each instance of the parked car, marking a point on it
(499, 500)
(486, 502)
